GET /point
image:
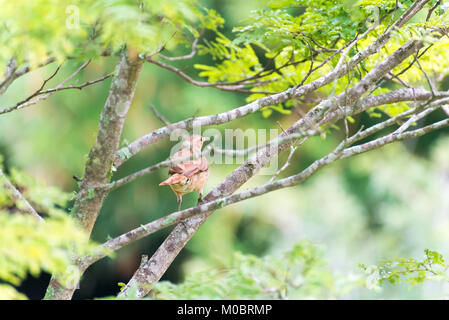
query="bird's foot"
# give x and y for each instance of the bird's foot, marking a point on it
(200, 198)
(184, 224)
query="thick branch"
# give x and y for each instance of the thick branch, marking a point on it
(98, 167)
(144, 230)
(342, 151)
(411, 94)
(163, 257)
(400, 95)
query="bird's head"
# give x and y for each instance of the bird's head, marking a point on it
(195, 142)
(197, 139)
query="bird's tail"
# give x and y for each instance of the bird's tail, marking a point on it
(174, 179)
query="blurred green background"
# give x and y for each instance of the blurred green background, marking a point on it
(389, 202)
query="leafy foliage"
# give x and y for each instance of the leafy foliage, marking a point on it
(29, 246)
(301, 273)
(432, 268)
(45, 199)
(9, 293)
(296, 36)
(238, 63)
(82, 29)
(290, 23)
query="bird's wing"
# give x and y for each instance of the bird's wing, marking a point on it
(186, 169)
(177, 168)
(178, 177)
(203, 165)
(190, 167)
(191, 170)
(193, 167)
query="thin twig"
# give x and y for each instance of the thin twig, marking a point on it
(402, 82)
(417, 116)
(42, 94)
(431, 85)
(185, 57)
(79, 86)
(159, 115)
(181, 234)
(18, 197)
(12, 73)
(416, 57)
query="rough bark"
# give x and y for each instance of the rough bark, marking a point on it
(98, 168)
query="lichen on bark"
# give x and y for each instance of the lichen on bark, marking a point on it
(90, 197)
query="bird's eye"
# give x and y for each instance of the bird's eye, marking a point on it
(188, 180)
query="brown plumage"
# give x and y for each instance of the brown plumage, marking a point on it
(191, 175)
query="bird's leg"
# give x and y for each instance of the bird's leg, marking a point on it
(200, 198)
(179, 202)
(179, 209)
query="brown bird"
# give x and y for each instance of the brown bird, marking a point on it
(191, 175)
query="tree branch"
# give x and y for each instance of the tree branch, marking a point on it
(98, 167)
(182, 233)
(144, 230)
(185, 57)
(18, 197)
(42, 94)
(206, 152)
(127, 152)
(340, 152)
(12, 73)
(394, 137)
(159, 115)
(411, 94)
